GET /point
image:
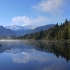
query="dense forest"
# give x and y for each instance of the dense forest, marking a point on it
(58, 32)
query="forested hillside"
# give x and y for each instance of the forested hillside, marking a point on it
(58, 32)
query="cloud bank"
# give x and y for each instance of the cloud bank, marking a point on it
(24, 20)
(50, 6)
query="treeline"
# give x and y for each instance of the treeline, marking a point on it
(58, 32)
(8, 37)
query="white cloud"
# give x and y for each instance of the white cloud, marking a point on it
(53, 7)
(50, 6)
(24, 20)
(20, 20)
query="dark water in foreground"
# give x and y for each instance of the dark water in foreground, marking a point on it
(34, 55)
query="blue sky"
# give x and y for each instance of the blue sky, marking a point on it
(33, 12)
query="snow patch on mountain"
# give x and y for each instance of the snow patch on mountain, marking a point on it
(16, 27)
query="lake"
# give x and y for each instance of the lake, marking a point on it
(34, 55)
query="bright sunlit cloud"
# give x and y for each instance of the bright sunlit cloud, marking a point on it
(50, 6)
(24, 20)
(33, 12)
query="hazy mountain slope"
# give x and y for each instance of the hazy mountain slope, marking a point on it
(22, 30)
(6, 32)
(42, 28)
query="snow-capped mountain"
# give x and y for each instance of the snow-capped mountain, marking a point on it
(23, 30)
(16, 27)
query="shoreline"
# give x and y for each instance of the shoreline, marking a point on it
(67, 41)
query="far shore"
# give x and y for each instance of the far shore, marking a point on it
(68, 41)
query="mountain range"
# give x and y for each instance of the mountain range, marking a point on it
(16, 27)
(42, 28)
(32, 29)
(22, 30)
(6, 32)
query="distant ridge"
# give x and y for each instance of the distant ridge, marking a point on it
(22, 30)
(42, 28)
(6, 32)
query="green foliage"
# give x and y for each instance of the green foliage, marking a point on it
(58, 32)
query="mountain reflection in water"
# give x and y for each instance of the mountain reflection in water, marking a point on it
(34, 55)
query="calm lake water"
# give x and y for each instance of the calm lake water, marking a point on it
(34, 55)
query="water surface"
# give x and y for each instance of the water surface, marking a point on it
(34, 55)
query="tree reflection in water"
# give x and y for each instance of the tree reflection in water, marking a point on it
(58, 48)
